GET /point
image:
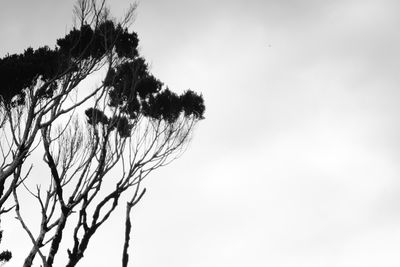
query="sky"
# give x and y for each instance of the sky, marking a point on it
(296, 163)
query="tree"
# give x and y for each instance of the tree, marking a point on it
(36, 84)
(132, 123)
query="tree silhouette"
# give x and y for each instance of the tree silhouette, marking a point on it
(131, 122)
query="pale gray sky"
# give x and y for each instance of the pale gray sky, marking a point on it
(297, 162)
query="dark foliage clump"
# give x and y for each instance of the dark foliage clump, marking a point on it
(76, 43)
(126, 43)
(123, 127)
(166, 105)
(120, 123)
(85, 42)
(96, 116)
(4, 255)
(131, 80)
(136, 93)
(133, 90)
(193, 104)
(20, 71)
(147, 86)
(130, 84)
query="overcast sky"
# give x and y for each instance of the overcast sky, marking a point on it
(297, 161)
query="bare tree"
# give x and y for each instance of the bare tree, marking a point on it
(134, 124)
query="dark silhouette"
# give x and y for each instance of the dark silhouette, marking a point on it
(135, 124)
(6, 255)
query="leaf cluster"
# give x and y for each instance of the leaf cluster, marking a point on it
(86, 42)
(20, 71)
(4, 255)
(135, 91)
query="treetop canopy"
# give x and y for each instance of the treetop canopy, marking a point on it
(19, 71)
(131, 88)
